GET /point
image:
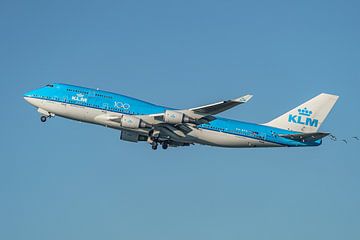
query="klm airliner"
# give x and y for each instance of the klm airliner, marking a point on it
(142, 121)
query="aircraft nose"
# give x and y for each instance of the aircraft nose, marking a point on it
(28, 95)
(26, 98)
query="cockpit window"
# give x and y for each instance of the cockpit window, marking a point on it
(50, 85)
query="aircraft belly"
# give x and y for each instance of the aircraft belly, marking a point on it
(85, 114)
(214, 138)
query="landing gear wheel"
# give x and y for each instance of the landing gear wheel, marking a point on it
(165, 145)
(154, 145)
(43, 118)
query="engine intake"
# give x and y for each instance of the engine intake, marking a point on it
(174, 117)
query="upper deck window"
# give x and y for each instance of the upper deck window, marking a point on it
(103, 96)
(77, 91)
(50, 85)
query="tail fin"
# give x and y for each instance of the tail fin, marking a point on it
(307, 117)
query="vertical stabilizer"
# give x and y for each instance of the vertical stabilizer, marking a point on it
(307, 117)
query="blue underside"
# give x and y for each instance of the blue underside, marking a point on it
(122, 104)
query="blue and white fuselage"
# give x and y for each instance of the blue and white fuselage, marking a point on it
(142, 121)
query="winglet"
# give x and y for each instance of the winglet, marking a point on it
(243, 99)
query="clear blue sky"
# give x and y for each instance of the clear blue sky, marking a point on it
(67, 180)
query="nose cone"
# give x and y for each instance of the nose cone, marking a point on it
(27, 96)
(27, 99)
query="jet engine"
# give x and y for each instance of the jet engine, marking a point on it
(128, 121)
(174, 117)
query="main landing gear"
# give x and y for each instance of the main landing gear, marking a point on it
(155, 140)
(164, 145)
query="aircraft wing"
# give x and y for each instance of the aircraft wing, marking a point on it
(305, 137)
(206, 113)
(215, 108)
(198, 115)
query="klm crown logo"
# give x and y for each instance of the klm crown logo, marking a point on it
(304, 118)
(305, 112)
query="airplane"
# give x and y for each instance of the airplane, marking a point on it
(141, 121)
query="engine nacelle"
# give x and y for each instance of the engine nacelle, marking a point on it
(132, 136)
(128, 121)
(174, 117)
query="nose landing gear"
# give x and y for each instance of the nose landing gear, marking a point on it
(43, 118)
(45, 114)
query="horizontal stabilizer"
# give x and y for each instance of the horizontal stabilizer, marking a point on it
(305, 137)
